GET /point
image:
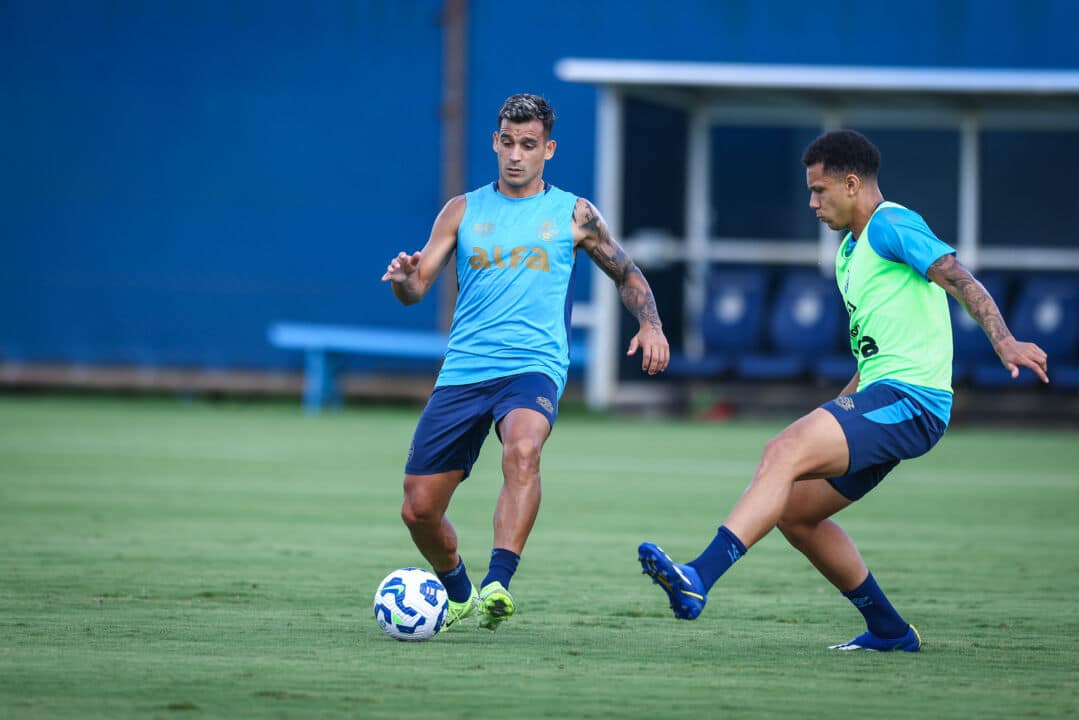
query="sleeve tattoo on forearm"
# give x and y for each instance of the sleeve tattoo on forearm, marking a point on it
(612, 259)
(951, 275)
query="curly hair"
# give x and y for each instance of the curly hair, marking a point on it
(524, 107)
(842, 152)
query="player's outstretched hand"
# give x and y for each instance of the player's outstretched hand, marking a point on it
(401, 267)
(655, 352)
(1014, 354)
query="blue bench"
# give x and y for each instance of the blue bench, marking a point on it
(324, 346)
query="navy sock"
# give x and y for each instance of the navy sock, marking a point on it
(724, 550)
(503, 565)
(458, 586)
(880, 617)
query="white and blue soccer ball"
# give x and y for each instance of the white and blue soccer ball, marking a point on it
(410, 604)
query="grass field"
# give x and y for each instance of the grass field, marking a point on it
(165, 559)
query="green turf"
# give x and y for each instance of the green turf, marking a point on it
(163, 559)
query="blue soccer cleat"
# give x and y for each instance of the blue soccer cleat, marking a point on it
(911, 642)
(681, 582)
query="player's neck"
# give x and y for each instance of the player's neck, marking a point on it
(519, 193)
(867, 205)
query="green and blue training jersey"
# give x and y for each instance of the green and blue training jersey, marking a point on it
(900, 327)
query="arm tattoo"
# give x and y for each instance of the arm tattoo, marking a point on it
(612, 259)
(960, 284)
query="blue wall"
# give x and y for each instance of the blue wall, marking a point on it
(513, 54)
(176, 175)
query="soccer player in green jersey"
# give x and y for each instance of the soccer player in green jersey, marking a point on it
(893, 273)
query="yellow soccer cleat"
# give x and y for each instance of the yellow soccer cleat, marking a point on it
(496, 605)
(456, 611)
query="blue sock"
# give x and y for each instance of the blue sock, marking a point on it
(725, 549)
(880, 617)
(458, 586)
(503, 565)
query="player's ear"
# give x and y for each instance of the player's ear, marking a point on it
(494, 141)
(549, 153)
(853, 184)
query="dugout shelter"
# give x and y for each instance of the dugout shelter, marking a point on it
(981, 113)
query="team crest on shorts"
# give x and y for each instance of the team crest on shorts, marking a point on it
(845, 402)
(545, 403)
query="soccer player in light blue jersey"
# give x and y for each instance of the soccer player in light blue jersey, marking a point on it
(515, 241)
(892, 273)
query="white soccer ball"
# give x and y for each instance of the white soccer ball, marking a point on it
(410, 604)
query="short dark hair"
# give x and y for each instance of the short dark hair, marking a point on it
(524, 107)
(842, 152)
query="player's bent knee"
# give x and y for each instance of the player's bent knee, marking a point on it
(781, 454)
(797, 454)
(416, 513)
(522, 454)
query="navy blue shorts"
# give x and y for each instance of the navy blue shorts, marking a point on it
(457, 419)
(883, 425)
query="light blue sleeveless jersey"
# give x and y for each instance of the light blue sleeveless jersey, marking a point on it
(515, 264)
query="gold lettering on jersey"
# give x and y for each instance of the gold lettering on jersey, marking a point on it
(517, 254)
(512, 258)
(479, 259)
(538, 260)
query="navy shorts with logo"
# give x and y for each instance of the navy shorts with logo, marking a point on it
(457, 419)
(883, 425)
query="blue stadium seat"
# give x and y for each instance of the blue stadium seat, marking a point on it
(1064, 376)
(838, 368)
(805, 324)
(732, 321)
(971, 347)
(1045, 311)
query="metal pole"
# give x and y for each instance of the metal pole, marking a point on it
(602, 373)
(827, 238)
(969, 201)
(454, 142)
(698, 226)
